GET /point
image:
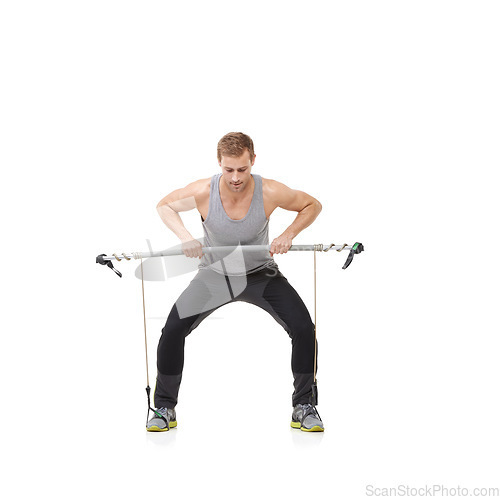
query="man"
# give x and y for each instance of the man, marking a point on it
(235, 207)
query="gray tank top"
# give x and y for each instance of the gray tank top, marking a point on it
(220, 230)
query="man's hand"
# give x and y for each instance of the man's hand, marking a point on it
(192, 248)
(281, 244)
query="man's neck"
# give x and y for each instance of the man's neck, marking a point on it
(235, 197)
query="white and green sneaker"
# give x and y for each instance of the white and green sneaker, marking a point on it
(306, 418)
(163, 420)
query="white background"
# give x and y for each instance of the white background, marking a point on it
(385, 111)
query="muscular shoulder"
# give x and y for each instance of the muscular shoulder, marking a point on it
(188, 197)
(273, 190)
(200, 190)
(278, 194)
(201, 187)
(269, 185)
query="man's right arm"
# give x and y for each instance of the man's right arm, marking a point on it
(182, 200)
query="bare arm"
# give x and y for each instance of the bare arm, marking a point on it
(182, 200)
(308, 209)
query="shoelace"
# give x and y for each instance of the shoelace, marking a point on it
(163, 414)
(309, 409)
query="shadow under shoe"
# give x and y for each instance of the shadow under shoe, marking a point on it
(163, 419)
(306, 418)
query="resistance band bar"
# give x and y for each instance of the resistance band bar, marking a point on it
(105, 260)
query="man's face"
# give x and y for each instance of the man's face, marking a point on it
(236, 171)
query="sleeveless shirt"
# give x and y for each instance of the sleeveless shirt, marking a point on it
(220, 230)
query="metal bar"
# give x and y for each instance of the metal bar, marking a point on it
(245, 248)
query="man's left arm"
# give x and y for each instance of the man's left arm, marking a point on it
(308, 209)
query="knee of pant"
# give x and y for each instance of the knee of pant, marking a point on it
(175, 329)
(302, 328)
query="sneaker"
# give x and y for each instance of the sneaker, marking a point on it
(163, 420)
(306, 418)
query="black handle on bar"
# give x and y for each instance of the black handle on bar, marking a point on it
(99, 260)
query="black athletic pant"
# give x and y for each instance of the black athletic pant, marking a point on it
(208, 291)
